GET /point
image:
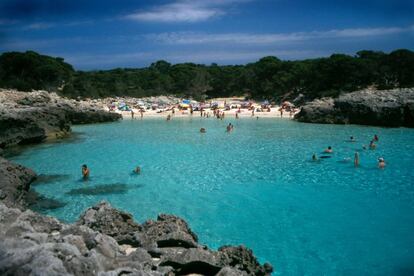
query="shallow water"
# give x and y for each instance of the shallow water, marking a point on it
(255, 186)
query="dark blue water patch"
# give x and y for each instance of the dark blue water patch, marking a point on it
(50, 178)
(72, 138)
(41, 203)
(106, 189)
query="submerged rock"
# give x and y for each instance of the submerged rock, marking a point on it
(392, 108)
(41, 203)
(105, 189)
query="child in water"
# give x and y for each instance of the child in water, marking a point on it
(85, 172)
(356, 159)
(381, 163)
(137, 170)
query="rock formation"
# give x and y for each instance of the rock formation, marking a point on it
(391, 108)
(106, 241)
(33, 117)
(14, 183)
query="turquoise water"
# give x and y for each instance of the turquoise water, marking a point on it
(255, 186)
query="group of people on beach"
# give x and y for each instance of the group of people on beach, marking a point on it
(372, 146)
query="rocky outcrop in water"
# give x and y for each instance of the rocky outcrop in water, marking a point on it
(15, 183)
(33, 117)
(391, 108)
(102, 242)
(170, 241)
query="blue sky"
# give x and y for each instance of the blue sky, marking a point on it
(93, 34)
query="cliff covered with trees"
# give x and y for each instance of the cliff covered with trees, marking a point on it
(269, 78)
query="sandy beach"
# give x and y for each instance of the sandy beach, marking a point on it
(244, 114)
(271, 111)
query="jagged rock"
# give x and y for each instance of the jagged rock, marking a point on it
(35, 116)
(243, 259)
(14, 183)
(114, 223)
(34, 244)
(383, 108)
(169, 231)
(31, 243)
(229, 271)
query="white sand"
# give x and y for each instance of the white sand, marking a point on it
(274, 113)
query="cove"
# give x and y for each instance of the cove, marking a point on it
(255, 186)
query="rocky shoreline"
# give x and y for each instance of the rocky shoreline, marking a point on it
(104, 241)
(36, 116)
(390, 108)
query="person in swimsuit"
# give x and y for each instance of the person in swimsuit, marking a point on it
(85, 172)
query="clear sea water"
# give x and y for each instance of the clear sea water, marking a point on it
(255, 186)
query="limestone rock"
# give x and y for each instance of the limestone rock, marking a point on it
(393, 108)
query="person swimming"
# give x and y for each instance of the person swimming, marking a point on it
(352, 139)
(85, 172)
(202, 130)
(137, 170)
(314, 157)
(381, 163)
(328, 150)
(356, 159)
(376, 139)
(372, 145)
(229, 127)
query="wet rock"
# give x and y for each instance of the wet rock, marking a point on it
(168, 231)
(243, 259)
(391, 108)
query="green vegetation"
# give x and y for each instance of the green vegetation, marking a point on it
(268, 78)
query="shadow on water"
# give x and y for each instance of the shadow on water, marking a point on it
(106, 189)
(41, 203)
(72, 138)
(50, 178)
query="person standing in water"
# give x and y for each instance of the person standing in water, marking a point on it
(137, 170)
(381, 163)
(328, 150)
(132, 114)
(314, 157)
(85, 172)
(356, 159)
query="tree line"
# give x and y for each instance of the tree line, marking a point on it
(269, 78)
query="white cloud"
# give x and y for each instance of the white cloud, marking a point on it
(183, 38)
(39, 26)
(184, 11)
